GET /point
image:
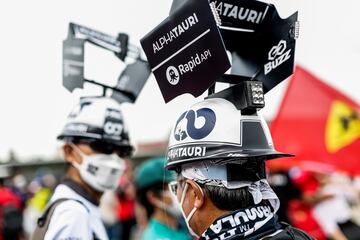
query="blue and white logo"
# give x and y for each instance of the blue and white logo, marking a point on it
(195, 124)
(75, 112)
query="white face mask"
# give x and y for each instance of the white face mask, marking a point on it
(100, 171)
(192, 212)
(174, 209)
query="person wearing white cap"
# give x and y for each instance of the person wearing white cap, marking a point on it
(219, 155)
(95, 139)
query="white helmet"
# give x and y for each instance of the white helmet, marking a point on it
(215, 130)
(100, 120)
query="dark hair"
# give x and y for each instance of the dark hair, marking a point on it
(141, 197)
(228, 199)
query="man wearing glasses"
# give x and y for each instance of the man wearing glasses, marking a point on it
(219, 156)
(95, 140)
(153, 195)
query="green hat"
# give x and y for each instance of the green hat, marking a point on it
(151, 172)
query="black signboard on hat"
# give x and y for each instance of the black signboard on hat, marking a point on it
(73, 63)
(261, 42)
(186, 52)
(118, 45)
(131, 81)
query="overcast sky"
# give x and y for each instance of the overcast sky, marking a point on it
(34, 105)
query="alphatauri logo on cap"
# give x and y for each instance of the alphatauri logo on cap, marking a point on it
(188, 122)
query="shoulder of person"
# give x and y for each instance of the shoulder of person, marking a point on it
(151, 234)
(72, 207)
(70, 219)
(290, 233)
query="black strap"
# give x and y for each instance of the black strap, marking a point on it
(44, 221)
(49, 211)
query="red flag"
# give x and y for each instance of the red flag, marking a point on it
(318, 124)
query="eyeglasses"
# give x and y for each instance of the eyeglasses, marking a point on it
(173, 185)
(104, 147)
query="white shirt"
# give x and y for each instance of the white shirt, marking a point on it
(332, 211)
(72, 220)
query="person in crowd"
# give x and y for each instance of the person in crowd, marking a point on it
(108, 206)
(125, 211)
(219, 157)
(10, 209)
(153, 195)
(300, 210)
(19, 187)
(95, 139)
(43, 186)
(334, 214)
(285, 189)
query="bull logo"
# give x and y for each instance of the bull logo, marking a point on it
(188, 122)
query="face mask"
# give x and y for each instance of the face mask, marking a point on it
(192, 212)
(100, 171)
(174, 209)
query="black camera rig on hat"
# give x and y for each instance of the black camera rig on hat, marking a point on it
(189, 52)
(132, 78)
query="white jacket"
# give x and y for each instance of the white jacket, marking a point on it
(75, 220)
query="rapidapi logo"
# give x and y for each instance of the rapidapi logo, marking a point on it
(172, 75)
(277, 56)
(195, 124)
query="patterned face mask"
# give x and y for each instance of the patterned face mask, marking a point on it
(100, 171)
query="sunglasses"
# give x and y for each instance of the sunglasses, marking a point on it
(104, 147)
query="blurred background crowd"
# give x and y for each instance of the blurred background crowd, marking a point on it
(319, 191)
(316, 199)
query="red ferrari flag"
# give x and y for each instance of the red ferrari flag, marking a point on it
(318, 124)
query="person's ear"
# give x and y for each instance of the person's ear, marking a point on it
(198, 193)
(70, 155)
(151, 198)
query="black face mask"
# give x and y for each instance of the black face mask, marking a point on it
(248, 223)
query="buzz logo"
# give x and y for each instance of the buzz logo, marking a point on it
(172, 75)
(189, 122)
(113, 128)
(113, 125)
(277, 56)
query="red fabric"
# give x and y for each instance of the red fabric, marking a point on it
(7, 197)
(306, 182)
(300, 125)
(126, 209)
(300, 214)
(301, 217)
